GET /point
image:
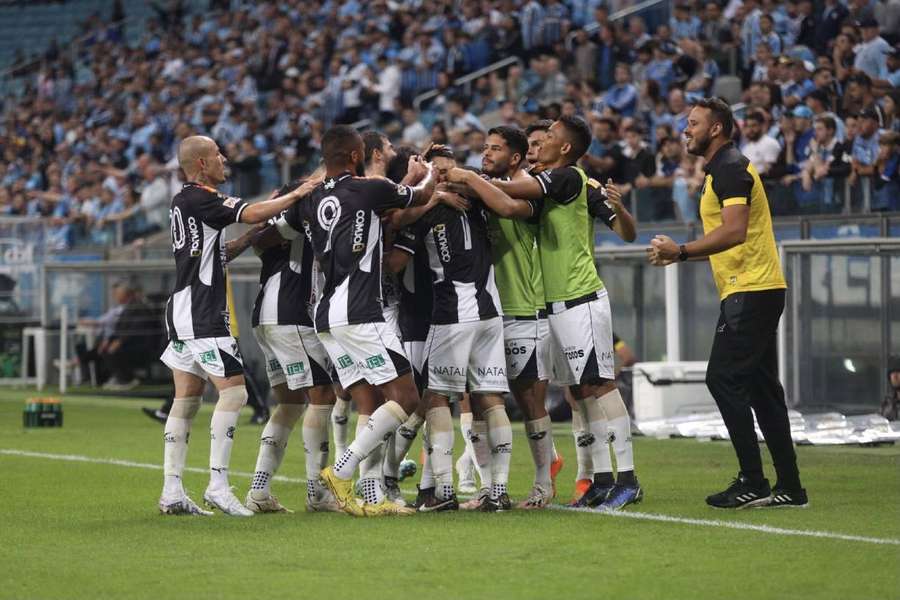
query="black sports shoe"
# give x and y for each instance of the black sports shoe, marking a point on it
(594, 496)
(424, 495)
(500, 504)
(792, 498)
(155, 414)
(742, 494)
(433, 504)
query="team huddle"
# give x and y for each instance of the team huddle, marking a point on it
(402, 282)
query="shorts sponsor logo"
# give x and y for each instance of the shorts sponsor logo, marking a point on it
(606, 356)
(208, 357)
(491, 372)
(359, 227)
(373, 362)
(344, 361)
(296, 368)
(448, 371)
(441, 241)
(516, 350)
(274, 365)
(178, 346)
(572, 352)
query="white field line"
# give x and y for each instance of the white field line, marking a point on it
(622, 514)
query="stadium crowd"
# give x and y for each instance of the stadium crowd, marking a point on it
(91, 141)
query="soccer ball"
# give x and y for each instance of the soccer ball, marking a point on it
(408, 468)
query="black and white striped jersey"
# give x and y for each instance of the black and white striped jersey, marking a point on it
(286, 280)
(197, 307)
(341, 217)
(459, 256)
(416, 297)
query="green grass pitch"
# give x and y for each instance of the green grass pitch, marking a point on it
(91, 530)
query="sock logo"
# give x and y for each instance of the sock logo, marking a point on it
(340, 420)
(406, 432)
(502, 448)
(611, 437)
(537, 435)
(230, 433)
(268, 440)
(585, 440)
(323, 447)
(169, 438)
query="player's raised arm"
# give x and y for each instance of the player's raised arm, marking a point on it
(525, 188)
(423, 191)
(493, 195)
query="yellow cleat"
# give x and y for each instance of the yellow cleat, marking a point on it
(386, 508)
(343, 492)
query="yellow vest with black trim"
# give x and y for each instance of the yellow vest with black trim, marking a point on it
(753, 265)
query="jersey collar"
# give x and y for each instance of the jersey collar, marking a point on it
(721, 151)
(202, 186)
(332, 181)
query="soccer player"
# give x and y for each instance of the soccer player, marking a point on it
(342, 219)
(200, 343)
(297, 365)
(743, 365)
(464, 347)
(577, 303)
(517, 273)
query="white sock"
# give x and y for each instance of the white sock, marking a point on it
(272, 443)
(405, 436)
(384, 420)
(315, 445)
(598, 428)
(175, 447)
(465, 427)
(221, 439)
(340, 416)
(370, 472)
(619, 429)
(440, 426)
(540, 441)
(585, 466)
(481, 452)
(427, 479)
(500, 437)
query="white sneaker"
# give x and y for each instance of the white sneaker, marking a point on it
(465, 470)
(260, 502)
(226, 501)
(322, 502)
(180, 504)
(538, 498)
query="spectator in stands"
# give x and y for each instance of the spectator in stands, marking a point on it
(858, 98)
(843, 55)
(796, 135)
(458, 116)
(758, 146)
(414, 133)
(666, 182)
(833, 14)
(887, 171)
(871, 54)
(608, 54)
(623, 96)
(818, 103)
(865, 147)
(762, 64)
(639, 163)
(828, 165)
(890, 106)
(683, 24)
(799, 84)
(604, 159)
(660, 68)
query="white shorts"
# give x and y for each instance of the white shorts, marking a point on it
(392, 318)
(370, 351)
(219, 357)
(582, 340)
(467, 357)
(294, 355)
(523, 349)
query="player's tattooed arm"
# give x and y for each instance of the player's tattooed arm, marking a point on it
(493, 196)
(237, 246)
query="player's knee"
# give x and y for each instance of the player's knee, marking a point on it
(185, 408)
(232, 399)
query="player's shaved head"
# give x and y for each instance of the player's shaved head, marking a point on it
(193, 148)
(339, 144)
